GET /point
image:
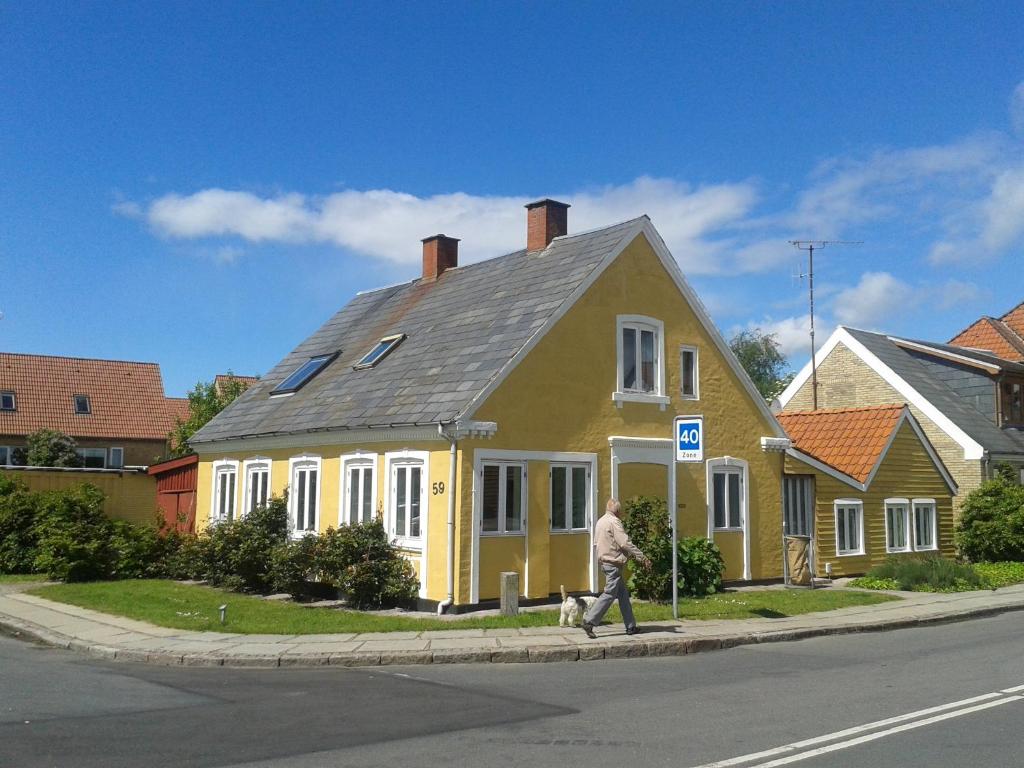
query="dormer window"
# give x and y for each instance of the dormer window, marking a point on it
(8, 401)
(301, 375)
(82, 405)
(382, 349)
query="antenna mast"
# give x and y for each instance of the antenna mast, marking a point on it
(809, 246)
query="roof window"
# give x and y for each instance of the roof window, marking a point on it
(301, 375)
(381, 350)
(82, 404)
(7, 402)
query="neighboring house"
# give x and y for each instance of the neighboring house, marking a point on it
(115, 410)
(1002, 337)
(223, 379)
(866, 485)
(487, 411)
(967, 402)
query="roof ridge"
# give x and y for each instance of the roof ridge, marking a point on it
(83, 359)
(856, 409)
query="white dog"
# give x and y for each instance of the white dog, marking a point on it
(573, 608)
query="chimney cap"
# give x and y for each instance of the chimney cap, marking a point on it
(546, 201)
(439, 237)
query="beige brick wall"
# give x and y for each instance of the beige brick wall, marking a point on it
(846, 381)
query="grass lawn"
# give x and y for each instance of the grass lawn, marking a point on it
(185, 606)
(13, 578)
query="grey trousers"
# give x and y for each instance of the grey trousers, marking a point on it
(614, 589)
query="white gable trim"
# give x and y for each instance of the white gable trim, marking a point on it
(932, 454)
(823, 467)
(972, 448)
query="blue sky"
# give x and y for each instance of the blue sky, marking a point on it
(204, 184)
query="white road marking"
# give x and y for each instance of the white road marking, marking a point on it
(961, 707)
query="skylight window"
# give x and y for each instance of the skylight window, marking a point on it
(301, 375)
(380, 351)
(82, 404)
(7, 401)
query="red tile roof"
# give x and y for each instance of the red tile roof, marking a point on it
(178, 408)
(1014, 319)
(851, 440)
(993, 336)
(126, 399)
(223, 378)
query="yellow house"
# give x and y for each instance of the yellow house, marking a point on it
(486, 411)
(866, 485)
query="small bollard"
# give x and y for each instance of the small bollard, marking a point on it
(223, 613)
(509, 593)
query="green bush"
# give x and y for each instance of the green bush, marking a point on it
(995, 575)
(19, 537)
(74, 535)
(50, 448)
(991, 525)
(239, 554)
(700, 561)
(926, 574)
(874, 582)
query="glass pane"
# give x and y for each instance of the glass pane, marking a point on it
(734, 500)
(688, 388)
(367, 491)
(718, 503)
(414, 501)
(841, 543)
(222, 489)
(628, 358)
(647, 361)
(401, 500)
(558, 521)
(303, 373)
(311, 514)
(853, 534)
(231, 495)
(513, 499)
(579, 497)
(264, 477)
(489, 507)
(300, 500)
(353, 496)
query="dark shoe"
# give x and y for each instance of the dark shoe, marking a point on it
(632, 630)
(589, 629)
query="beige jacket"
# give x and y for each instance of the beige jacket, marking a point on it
(612, 543)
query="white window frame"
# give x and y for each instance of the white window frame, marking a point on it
(726, 470)
(250, 467)
(896, 504)
(392, 461)
(505, 466)
(696, 371)
(93, 452)
(849, 503)
(296, 464)
(568, 467)
(223, 466)
(119, 462)
(358, 460)
(6, 455)
(640, 323)
(914, 504)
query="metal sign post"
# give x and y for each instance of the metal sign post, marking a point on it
(688, 439)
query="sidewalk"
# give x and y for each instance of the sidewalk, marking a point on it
(112, 637)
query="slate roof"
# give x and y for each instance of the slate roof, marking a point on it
(851, 440)
(126, 398)
(992, 335)
(971, 354)
(462, 330)
(961, 413)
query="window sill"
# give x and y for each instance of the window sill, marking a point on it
(728, 530)
(568, 531)
(500, 534)
(904, 551)
(850, 554)
(925, 549)
(409, 544)
(640, 397)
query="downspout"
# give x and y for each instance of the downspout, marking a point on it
(450, 599)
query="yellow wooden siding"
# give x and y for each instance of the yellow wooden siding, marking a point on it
(129, 496)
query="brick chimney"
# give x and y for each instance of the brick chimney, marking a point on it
(440, 252)
(545, 220)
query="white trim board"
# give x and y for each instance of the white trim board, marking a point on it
(972, 448)
(319, 439)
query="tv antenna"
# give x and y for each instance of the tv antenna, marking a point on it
(810, 246)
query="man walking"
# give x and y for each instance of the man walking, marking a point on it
(614, 549)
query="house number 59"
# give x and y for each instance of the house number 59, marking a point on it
(438, 488)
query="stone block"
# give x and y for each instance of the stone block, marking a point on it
(462, 655)
(556, 653)
(406, 657)
(509, 655)
(354, 659)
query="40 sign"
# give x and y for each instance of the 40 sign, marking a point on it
(689, 438)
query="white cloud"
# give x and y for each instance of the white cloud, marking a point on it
(793, 334)
(877, 298)
(955, 293)
(987, 228)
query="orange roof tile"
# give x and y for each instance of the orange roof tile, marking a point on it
(126, 399)
(223, 378)
(1014, 319)
(177, 408)
(851, 440)
(993, 336)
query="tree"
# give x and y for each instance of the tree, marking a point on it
(50, 448)
(205, 400)
(761, 358)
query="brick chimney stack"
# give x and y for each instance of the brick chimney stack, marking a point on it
(545, 220)
(440, 252)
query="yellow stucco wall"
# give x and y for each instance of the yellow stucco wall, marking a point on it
(129, 495)
(906, 472)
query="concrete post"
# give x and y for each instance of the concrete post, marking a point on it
(509, 593)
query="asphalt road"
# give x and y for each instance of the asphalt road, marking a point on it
(921, 697)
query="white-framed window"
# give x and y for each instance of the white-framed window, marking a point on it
(407, 500)
(897, 525)
(849, 526)
(380, 350)
(5, 455)
(640, 352)
(225, 485)
(256, 491)
(925, 536)
(116, 458)
(570, 493)
(689, 373)
(727, 498)
(304, 494)
(798, 505)
(358, 488)
(503, 503)
(8, 402)
(93, 458)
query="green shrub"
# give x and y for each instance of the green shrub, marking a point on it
(995, 575)
(874, 582)
(293, 565)
(74, 535)
(927, 574)
(50, 448)
(991, 525)
(700, 561)
(19, 538)
(239, 554)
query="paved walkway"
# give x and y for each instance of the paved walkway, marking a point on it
(112, 637)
